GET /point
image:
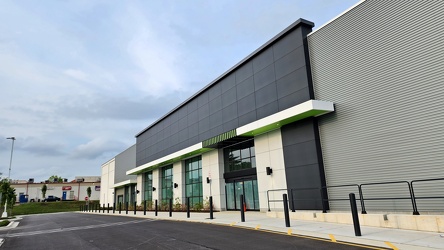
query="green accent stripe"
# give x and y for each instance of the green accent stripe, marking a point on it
(219, 138)
(173, 160)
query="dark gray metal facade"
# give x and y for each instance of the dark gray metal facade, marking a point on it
(273, 78)
(304, 168)
(124, 162)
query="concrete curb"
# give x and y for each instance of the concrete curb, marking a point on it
(13, 223)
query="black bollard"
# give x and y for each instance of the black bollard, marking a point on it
(155, 209)
(135, 207)
(171, 207)
(107, 211)
(354, 211)
(211, 207)
(103, 208)
(120, 207)
(286, 212)
(144, 207)
(242, 208)
(188, 207)
(114, 207)
(126, 207)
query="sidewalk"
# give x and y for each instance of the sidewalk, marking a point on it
(371, 236)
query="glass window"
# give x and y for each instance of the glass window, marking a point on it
(127, 194)
(148, 186)
(167, 184)
(193, 180)
(245, 153)
(246, 163)
(240, 156)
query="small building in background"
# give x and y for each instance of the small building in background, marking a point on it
(30, 191)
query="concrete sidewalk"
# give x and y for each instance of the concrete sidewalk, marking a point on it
(371, 236)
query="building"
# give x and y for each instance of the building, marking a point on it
(358, 101)
(74, 190)
(117, 186)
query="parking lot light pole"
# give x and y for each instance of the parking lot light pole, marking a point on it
(5, 212)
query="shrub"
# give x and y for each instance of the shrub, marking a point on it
(4, 223)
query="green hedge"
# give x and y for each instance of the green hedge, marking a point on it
(48, 207)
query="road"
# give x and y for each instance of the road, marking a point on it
(89, 231)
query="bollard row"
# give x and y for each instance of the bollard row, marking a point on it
(101, 208)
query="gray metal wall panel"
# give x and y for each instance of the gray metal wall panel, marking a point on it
(381, 63)
(245, 94)
(124, 162)
(303, 169)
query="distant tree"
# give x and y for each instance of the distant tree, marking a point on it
(88, 192)
(44, 188)
(8, 194)
(55, 178)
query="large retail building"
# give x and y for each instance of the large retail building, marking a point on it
(358, 101)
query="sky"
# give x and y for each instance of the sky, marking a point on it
(80, 78)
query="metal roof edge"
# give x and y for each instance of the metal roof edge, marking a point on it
(292, 26)
(336, 17)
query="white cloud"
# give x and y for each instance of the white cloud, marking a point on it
(154, 50)
(77, 84)
(96, 148)
(76, 74)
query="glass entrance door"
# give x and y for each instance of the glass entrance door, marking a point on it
(248, 188)
(238, 191)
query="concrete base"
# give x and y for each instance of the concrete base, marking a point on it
(427, 223)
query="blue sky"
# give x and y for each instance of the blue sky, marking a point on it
(78, 79)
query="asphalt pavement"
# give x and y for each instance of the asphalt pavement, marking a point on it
(371, 236)
(94, 231)
(334, 232)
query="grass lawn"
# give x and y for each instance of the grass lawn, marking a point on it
(48, 207)
(4, 223)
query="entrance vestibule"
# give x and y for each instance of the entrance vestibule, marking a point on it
(245, 187)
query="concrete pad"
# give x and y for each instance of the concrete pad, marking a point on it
(435, 241)
(406, 222)
(372, 220)
(427, 223)
(440, 222)
(391, 221)
(399, 236)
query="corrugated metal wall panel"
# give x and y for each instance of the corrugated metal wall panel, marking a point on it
(382, 64)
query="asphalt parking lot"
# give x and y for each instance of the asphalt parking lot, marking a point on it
(89, 231)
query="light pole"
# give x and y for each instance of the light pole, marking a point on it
(10, 160)
(5, 213)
